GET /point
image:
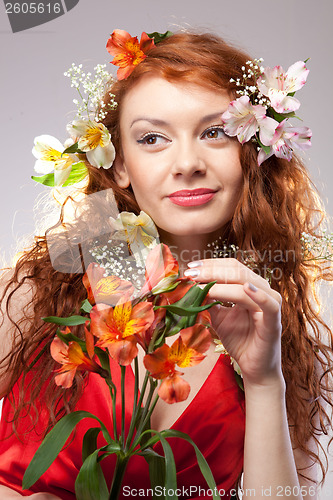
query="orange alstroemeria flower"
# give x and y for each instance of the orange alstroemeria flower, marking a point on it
(187, 350)
(117, 328)
(162, 270)
(144, 337)
(107, 289)
(127, 51)
(178, 293)
(72, 359)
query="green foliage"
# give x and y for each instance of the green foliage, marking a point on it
(158, 37)
(69, 321)
(90, 483)
(53, 444)
(78, 173)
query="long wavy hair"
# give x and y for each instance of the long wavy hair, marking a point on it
(277, 205)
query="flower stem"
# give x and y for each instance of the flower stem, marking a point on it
(151, 409)
(118, 476)
(113, 393)
(145, 413)
(135, 402)
(123, 373)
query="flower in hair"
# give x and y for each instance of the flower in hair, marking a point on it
(244, 120)
(262, 111)
(89, 136)
(285, 140)
(127, 51)
(278, 85)
(94, 139)
(52, 158)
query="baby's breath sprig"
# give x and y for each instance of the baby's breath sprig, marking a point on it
(115, 259)
(91, 89)
(317, 248)
(253, 71)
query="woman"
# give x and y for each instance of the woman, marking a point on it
(175, 162)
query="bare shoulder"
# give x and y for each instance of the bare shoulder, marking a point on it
(16, 315)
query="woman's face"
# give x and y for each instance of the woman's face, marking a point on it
(184, 171)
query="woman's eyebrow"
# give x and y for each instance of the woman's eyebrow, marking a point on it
(158, 122)
(154, 121)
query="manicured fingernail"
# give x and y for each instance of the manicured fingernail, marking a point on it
(252, 287)
(192, 272)
(195, 263)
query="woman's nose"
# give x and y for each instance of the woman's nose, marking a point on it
(187, 159)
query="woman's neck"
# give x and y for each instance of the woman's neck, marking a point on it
(190, 247)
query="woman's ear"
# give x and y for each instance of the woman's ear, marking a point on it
(120, 172)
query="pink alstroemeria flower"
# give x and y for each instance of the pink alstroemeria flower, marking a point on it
(285, 140)
(244, 120)
(277, 84)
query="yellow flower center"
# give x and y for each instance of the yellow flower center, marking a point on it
(93, 137)
(50, 154)
(134, 52)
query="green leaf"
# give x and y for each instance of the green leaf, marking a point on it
(69, 321)
(111, 448)
(47, 180)
(74, 148)
(78, 173)
(279, 117)
(86, 306)
(69, 337)
(53, 444)
(149, 452)
(156, 465)
(103, 359)
(170, 470)
(188, 311)
(89, 443)
(194, 297)
(265, 148)
(90, 483)
(203, 465)
(158, 37)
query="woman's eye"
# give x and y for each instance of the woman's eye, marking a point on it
(152, 140)
(214, 133)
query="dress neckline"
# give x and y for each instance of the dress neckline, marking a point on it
(193, 401)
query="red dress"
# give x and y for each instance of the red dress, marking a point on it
(214, 419)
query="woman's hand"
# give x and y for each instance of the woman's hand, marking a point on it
(251, 329)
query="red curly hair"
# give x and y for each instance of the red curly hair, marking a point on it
(277, 205)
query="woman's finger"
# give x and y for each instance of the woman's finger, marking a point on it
(266, 303)
(227, 270)
(238, 295)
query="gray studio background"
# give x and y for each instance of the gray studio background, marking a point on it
(36, 98)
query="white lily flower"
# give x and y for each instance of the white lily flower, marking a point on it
(139, 231)
(277, 84)
(130, 227)
(48, 151)
(244, 120)
(285, 140)
(94, 139)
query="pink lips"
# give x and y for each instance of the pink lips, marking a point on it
(192, 197)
